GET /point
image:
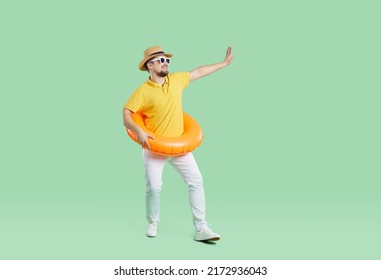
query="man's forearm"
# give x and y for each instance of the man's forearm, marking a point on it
(206, 70)
(211, 68)
(128, 122)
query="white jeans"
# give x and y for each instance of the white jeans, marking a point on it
(187, 167)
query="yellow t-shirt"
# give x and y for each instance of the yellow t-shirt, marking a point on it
(161, 104)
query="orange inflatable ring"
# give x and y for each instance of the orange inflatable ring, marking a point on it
(171, 146)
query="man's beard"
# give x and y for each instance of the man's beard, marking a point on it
(162, 73)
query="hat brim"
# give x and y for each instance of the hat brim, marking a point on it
(142, 64)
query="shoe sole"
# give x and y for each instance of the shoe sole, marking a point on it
(214, 239)
(209, 239)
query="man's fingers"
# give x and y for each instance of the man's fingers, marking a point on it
(229, 55)
(146, 143)
(151, 136)
(148, 146)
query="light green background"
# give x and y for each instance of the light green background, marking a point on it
(291, 155)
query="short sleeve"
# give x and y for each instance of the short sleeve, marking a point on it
(135, 102)
(186, 79)
(182, 78)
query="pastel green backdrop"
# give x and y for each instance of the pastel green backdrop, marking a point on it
(291, 155)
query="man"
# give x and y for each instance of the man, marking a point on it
(159, 99)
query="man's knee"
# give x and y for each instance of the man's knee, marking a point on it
(195, 182)
(153, 187)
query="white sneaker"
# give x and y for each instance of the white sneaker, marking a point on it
(206, 234)
(152, 230)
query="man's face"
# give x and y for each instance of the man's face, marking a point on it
(160, 65)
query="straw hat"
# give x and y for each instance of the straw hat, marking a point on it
(151, 53)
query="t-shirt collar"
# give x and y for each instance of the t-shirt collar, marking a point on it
(155, 85)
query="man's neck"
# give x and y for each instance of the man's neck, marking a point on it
(156, 79)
